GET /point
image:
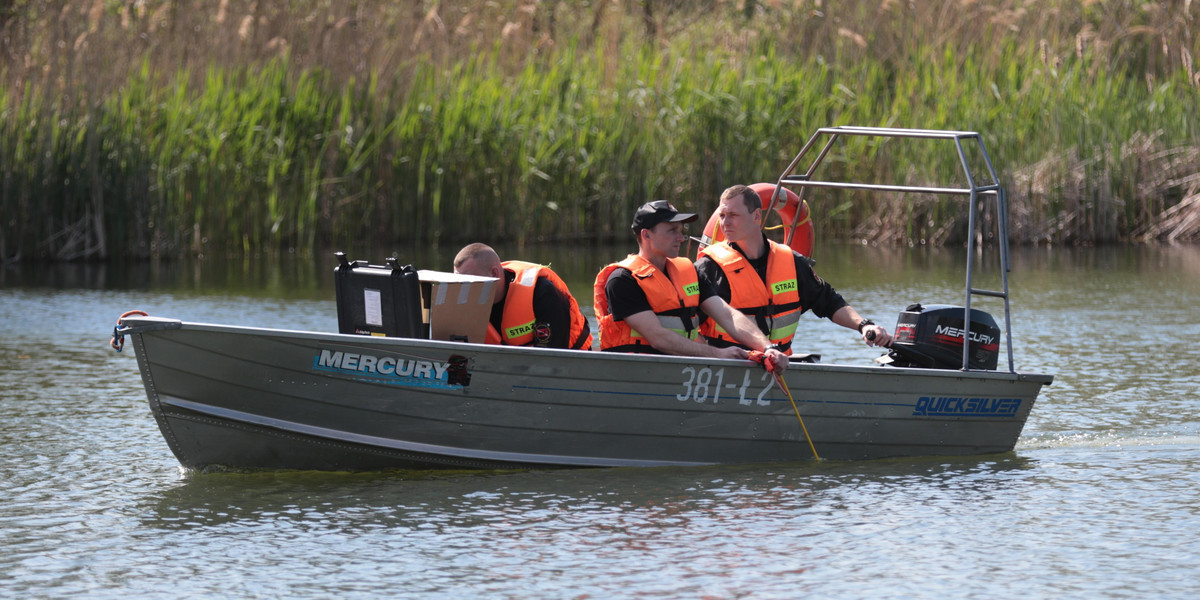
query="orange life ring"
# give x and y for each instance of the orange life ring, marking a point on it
(798, 230)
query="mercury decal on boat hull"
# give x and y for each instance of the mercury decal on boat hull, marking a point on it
(951, 406)
(450, 375)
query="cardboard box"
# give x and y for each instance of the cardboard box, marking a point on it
(456, 307)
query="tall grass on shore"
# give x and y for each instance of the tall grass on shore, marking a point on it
(542, 123)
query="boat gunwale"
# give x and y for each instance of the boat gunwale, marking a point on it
(147, 325)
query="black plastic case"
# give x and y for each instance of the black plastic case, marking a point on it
(375, 300)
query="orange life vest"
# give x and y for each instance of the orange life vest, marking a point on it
(774, 305)
(518, 321)
(674, 298)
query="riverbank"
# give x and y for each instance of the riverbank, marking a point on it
(166, 128)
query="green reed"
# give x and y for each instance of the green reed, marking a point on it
(269, 155)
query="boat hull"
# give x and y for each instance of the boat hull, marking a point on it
(258, 398)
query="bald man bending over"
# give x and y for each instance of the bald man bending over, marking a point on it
(532, 305)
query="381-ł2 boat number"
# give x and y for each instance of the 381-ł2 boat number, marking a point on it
(704, 384)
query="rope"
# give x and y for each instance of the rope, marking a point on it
(783, 384)
(761, 358)
(786, 226)
(118, 339)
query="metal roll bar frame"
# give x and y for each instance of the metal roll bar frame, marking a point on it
(974, 191)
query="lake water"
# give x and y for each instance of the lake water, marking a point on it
(1099, 500)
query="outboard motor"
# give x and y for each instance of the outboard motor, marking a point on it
(931, 337)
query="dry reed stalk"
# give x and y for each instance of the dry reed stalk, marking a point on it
(1176, 172)
(1180, 223)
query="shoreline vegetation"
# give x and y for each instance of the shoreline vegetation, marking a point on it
(163, 128)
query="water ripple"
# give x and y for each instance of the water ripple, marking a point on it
(1098, 500)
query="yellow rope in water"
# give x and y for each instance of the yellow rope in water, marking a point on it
(783, 385)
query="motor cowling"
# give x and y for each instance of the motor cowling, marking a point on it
(932, 337)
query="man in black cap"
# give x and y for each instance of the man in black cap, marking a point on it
(649, 301)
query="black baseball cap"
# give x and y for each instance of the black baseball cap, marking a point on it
(660, 211)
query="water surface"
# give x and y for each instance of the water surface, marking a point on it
(1098, 500)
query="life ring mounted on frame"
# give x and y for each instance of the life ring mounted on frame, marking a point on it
(797, 225)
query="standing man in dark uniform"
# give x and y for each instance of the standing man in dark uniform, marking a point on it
(532, 305)
(768, 281)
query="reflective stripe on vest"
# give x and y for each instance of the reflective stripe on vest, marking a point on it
(674, 323)
(782, 327)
